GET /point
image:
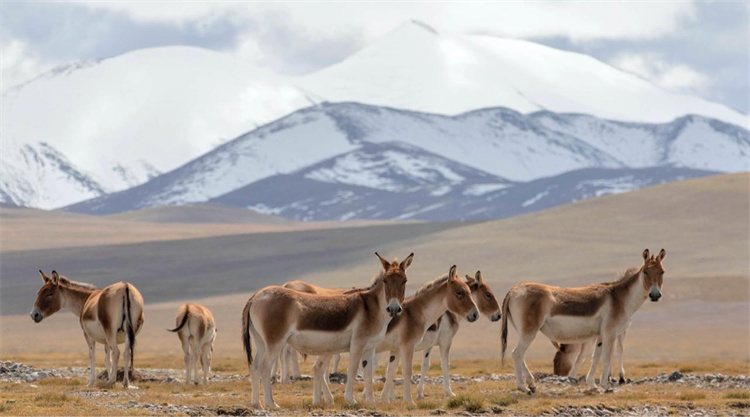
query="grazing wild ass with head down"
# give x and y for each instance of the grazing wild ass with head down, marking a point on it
(570, 356)
(317, 324)
(441, 333)
(577, 315)
(197, 330)
(446, 293)
(109, 316)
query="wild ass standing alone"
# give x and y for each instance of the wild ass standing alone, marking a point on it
(570, 356)
(576, 315)
(197, 330)
(109, 316)
(446, 293)
(322, 325)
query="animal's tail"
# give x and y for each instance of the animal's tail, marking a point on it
(182, 322)
(128, 323)
(246, 334)
(504, 333)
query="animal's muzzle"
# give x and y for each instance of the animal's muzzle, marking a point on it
(473, 316)
(654, 295)
(497, 316)
(394, 308)
(36, 315)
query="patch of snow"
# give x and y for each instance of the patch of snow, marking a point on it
(534, 199)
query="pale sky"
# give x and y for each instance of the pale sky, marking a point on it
(693, 47)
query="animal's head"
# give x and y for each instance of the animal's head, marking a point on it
(564, 359)
(653, 274)
(48, 298)
(483, 296)
(459, 297)
(394, 278)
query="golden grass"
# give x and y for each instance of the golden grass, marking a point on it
(67, 397)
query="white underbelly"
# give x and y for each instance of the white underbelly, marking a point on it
(96, 332)
(314, 342)
(571, 329)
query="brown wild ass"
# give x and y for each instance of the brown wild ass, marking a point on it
(289, 355)
(432, 300)
(442, 332)
(569, 357)
(317, 324)
(197, 332)
(577, 315)
(109, 316)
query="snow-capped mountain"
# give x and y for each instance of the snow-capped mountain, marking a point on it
(127, 118)
(298, 197)
(397, 151)
(38, 175)
(418, 68)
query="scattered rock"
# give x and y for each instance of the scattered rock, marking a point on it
(438, 412)
(675, 376)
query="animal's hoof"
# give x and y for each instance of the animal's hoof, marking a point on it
(532, 388)
(410, 403)
(609, 390)
(621, 381)
(256, 406)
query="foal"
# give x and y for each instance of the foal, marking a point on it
(109, 316)
(446, 293)
(321, 325)
(196, 328)
(576, 315)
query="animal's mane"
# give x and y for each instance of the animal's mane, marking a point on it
(623, 276)
(432, 284)
(76, 284)
(375, 280)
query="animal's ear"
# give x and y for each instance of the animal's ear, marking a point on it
(662, 254)
(406, 262)
(469, 279)
(645, 255)
(383, 261)
(45, 278)
(478, 277)
(452, 273)
(55, 278)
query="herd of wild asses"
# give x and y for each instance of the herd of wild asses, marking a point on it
(301, 317)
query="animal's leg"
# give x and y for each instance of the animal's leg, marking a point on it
(423, 374)
(186, 356)
(407, 353)
(519, 362)
(336, 359)
(580, 358)
(590, 381)
(126, 358)
(294, 356)
(368, 366)
(620, 351)
(318, 376)
(608, 344)
(92, 357)
(286, 376)
(273, 352)
(355, 357)
(107, 359)
(390, 373)
(327, 396)
(255, 376)
(115, 360)
(195, 350)
(206, 360)
(445, 358)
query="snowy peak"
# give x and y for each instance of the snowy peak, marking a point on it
(415, 68)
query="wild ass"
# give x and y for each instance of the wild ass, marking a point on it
(576, 315)
(196, 329)
(109, 316)
(317, 324)
(289, 356)
(442, 332)
(445, 293)
(570, 356)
